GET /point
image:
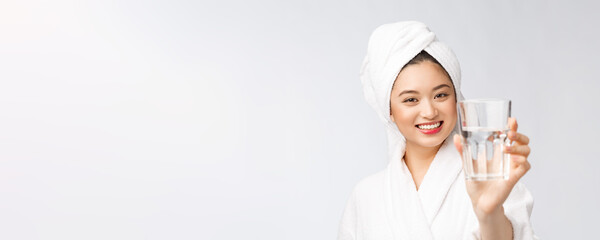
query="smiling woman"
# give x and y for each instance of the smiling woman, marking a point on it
(413, 82)
(424, 110)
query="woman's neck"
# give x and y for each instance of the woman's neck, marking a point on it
(418, 159)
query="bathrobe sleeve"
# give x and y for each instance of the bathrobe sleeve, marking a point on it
(517, 208)
(348, 224)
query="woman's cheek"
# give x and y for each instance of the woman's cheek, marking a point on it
(450, 110)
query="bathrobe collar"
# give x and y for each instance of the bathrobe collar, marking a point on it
(410, 211)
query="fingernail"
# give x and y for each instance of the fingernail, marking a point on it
(507, 149)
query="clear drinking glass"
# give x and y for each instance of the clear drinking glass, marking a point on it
(484, 127)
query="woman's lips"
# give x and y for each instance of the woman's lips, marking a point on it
(431, 130)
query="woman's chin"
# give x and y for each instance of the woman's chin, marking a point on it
(430, 142)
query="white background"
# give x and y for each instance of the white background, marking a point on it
(246, 119)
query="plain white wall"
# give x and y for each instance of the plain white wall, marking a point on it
(246, 119)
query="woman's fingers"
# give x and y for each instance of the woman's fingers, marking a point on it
(519, 165)
(518, 160)
(518, 137)
(522, 150)
(458, 143)
(512, 124)
(518, 152)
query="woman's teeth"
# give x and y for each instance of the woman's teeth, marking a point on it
(432, 126)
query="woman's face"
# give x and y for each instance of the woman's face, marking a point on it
(423, 104)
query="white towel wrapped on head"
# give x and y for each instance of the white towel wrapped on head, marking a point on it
(390, 47)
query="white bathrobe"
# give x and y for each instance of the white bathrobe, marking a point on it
(387, 205)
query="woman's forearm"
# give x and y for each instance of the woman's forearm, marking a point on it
(495, 225)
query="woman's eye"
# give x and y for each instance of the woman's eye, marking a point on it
(410, 100)
(441, 95)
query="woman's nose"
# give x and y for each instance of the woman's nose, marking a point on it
(428, 110)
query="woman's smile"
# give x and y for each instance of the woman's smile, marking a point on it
(430, 127)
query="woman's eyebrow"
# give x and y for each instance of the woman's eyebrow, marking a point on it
(435, 88)
(407, 91)
(440, 86)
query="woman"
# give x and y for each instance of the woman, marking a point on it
(413, 82)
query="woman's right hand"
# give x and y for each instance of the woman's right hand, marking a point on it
(488, 196)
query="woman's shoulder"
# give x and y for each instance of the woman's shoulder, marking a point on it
(370, 185)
